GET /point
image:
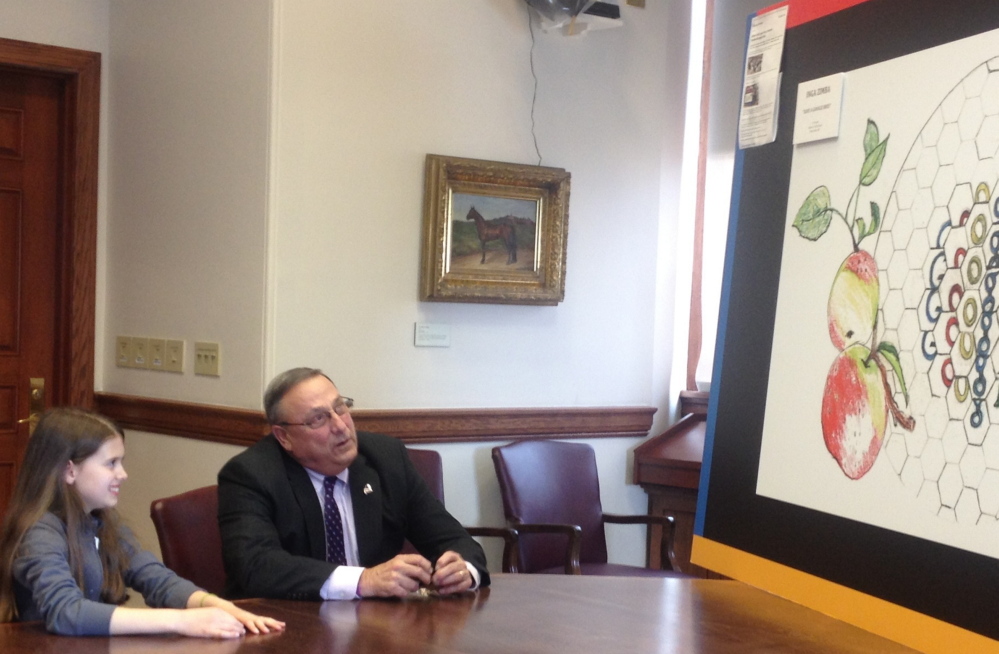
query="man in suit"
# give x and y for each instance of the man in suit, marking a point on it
(317, 510)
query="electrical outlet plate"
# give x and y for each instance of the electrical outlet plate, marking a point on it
(173, 360)
(123, 351)
(140, 352)
(206, 359)
(157, 354)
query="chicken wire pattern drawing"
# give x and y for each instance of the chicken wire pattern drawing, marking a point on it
(938, 266)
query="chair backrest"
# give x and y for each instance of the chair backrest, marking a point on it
(428, 464)
(551, 482)
(188, 530)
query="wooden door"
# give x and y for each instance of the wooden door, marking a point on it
(30, 199)
(48, 196)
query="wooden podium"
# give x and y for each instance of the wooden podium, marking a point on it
(668, 468)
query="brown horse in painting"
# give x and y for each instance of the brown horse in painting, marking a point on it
(492, 230)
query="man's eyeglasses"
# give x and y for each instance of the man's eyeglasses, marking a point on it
(320, 420)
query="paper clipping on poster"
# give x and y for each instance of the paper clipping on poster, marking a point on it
(761, 86)
(816, 114)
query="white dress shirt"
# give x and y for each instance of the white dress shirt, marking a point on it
(342, 584)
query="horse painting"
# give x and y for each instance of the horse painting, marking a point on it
(491, 230)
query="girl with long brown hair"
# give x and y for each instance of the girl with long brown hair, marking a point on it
(65, 557)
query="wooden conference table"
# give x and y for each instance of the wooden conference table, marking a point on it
(519, 614)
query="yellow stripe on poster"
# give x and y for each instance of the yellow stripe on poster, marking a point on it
(872, 614)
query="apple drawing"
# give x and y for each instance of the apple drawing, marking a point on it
(853, 300)
(857, 397)
(854, 410)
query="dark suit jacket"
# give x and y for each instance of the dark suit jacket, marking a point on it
(273, 541)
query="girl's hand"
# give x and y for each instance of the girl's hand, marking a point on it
(256, 624)
(209, 622)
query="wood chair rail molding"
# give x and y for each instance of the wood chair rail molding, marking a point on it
(412, 426)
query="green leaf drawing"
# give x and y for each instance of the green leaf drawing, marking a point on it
(814, 215)
(875, 218)
(872, 164)
(890, 354)
(871, 137)
(861, 229)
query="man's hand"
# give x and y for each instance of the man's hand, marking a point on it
(451, 574)
(397, 577)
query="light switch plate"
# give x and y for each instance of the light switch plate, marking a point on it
(206, 359)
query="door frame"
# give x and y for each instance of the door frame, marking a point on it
(80, 71)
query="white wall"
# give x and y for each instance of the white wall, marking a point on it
(190, 99)
(190, 106)
(365, 91)
(266, 189)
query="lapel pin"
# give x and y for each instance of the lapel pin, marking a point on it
(368, 490)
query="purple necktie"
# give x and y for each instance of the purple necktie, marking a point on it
(334, 526)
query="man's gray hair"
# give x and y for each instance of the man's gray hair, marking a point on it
(280, 386)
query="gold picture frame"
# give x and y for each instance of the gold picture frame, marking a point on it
(493, 232)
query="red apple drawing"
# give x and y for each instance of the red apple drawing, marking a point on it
(854, 410)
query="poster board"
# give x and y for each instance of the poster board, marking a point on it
(883, 540)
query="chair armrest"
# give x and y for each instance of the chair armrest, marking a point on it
(511, 549)
(667, 556)
(573, 532)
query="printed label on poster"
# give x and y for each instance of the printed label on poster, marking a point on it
(818, 108)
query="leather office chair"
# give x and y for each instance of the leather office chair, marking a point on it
(188, 530)
(553, 482)
(428, 465)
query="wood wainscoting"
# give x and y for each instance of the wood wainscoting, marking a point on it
(412, 426)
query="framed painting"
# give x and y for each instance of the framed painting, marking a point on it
(493, 232)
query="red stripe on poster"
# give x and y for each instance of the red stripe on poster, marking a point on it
(803, 11)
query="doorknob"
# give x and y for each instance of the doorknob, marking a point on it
(36, 403)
